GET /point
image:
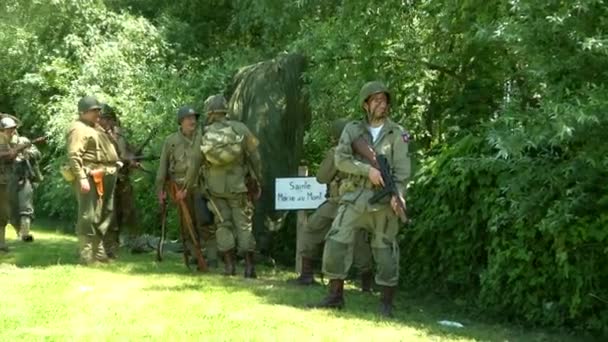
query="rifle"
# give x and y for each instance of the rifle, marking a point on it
(361, 147)
(143, 158)
(142, 146)
(130, 163)
(163, 231)
(21, 147)
(186, 219)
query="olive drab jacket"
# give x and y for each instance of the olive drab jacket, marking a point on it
(124, 149)
(6, 165)
(89, 147)
(329, 174)
(31, 152)
(392, 141)
(25, 165)
(231, 178)
(179, 155)
(122, 146)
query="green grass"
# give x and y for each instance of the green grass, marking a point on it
(45, 295)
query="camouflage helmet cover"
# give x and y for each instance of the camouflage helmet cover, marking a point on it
(215, 104)
(371, 88)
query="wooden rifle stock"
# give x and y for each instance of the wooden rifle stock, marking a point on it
(362, 148)
(189, 226)
(163, 231)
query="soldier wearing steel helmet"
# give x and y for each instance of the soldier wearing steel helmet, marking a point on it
(230, 155)
(93, 162)
(26, 174)
(180, 153)
(125, 213)
(319, 223)
(7, 156)
(355, 212)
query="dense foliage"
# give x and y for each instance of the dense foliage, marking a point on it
(506, 101)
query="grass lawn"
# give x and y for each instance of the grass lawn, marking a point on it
(46, 296)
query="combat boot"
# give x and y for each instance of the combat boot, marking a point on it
(99, 252)
(250, 265)
(24, 229)
(111, 243)
(307, 274)
(86, 250)
(386, 302)
(335, 298)
(229, 263)
(367, 279)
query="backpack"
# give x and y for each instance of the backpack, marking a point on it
(221, 144)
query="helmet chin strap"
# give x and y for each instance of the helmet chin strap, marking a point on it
(370, 115)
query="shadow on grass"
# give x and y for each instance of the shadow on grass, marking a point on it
(55, 247)
(49, 248)
(272, 288)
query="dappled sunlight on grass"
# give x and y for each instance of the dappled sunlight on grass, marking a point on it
(52, 298)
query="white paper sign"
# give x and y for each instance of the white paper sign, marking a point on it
(298, 193)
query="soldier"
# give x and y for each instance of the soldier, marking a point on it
(181, 153)
(124, 208)
(355, 212)
(231, 161)
(94, 163)
(313, 235)
(26, 174)
(7, 156)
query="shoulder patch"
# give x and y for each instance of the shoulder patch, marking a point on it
(406, 136)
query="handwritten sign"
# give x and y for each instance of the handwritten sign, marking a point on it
(298, 193)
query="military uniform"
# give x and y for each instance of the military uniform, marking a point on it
(125, 214)
(92, 156)
(355, 211)
(179, 155)
(226, 185)
(21, 187)
(124, 199)
(313, 235)
(5, 173)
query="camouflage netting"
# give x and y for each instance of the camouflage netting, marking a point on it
(269, 98)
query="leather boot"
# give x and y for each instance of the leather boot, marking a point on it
(307, 276)
(111, 244)
(229, 267)
(99, 252)
(335, 298)
(386, 302)
(250, 265)
(86, 249)
(367, 279)
(24, 229)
